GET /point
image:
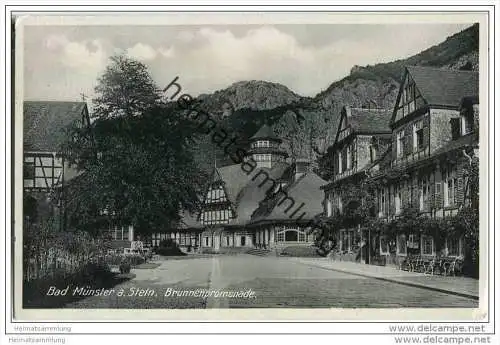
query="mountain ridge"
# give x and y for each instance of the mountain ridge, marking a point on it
(308, 124)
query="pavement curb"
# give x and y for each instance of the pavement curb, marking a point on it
(397, 281)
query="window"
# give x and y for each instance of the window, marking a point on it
(384, 245)
(182, 239)
(412, 241)
(373, 153)
(467, 123)
(348, 157)
(329, 208)
(206, 241)
(401, 245)
(339, 203)
(397, 199)
(418, 136)
(301, 237)
(280, 237)
(339, 163)
(382, 202)
(400, 142)
(450, 187)
(227, 241)
(453, 246)
(29, 171)
(427, 245)
(424, 193)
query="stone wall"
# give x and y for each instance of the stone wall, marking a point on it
(440, 127)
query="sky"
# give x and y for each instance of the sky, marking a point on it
(62, 62)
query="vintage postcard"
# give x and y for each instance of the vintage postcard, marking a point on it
(297, 166)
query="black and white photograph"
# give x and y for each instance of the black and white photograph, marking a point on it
(241, 165)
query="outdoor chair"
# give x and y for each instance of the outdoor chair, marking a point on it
(420, 264)
(453, 267)
(433, 266)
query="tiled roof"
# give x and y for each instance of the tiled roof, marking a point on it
(45, 123)
(251, 195)
(305, 190)
(265, 132)
(235, 178)
(364, 120)
(444, 87)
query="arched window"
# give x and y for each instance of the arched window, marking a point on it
(291, 235)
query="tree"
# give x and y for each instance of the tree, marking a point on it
(136, 166)
(125, 89)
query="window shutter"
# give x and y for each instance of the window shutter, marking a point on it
(344, 159)
(415, 192)
(392, 203)
(394, 146)
(438, 195)
(459, 190)
(455, 128)
(353, 156)
(426, 131)
(407, 190)
(407, 141)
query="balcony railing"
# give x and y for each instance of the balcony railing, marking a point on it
(405, 159)
(344, 173)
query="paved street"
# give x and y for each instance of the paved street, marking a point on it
(276, 282)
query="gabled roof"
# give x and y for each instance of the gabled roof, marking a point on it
(307, 190)
(265, 132)
(363, 120)
(251, 195)
(444, 87)
(234, 178)
(46, 122)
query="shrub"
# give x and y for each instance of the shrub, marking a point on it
(169, 247)
(300, 251)
(125, 267)
(117, 260)
(135, 260)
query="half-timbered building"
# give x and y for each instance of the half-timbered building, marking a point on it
(432, 144)
(363, 136)
(45, 170)
(269, 207)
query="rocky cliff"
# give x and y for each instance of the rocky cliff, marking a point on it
(307, 124)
